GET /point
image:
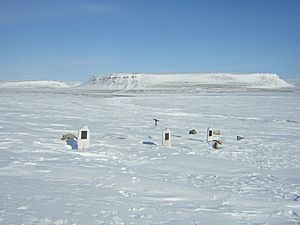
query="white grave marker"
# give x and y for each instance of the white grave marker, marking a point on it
(210, 134)
(83, 138)
(166, 138)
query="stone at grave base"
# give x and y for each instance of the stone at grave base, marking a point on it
(238, 138)
(149, 143)
(67, 136)
(193, 131)
(72, 142)
(216, 144)
(217, 132)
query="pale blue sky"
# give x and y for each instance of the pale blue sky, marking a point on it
(75, 39)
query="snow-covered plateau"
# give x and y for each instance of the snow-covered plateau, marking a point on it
(119, 180)
(139, 81)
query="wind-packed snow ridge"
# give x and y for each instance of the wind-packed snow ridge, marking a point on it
(141, 81)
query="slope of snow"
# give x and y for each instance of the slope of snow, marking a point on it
(119, 180)
(295, 82)
(37, 84)
(129, 81)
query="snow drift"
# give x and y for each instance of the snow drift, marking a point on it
(139, 81)
(37, 84)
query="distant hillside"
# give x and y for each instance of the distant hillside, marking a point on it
(139, 81)
(174, 81)
(37, 84)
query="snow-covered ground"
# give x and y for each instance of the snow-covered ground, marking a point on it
(120, 180)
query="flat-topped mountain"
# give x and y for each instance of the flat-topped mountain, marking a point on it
(141, 81)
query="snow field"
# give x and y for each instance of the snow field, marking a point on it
(121, 181)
